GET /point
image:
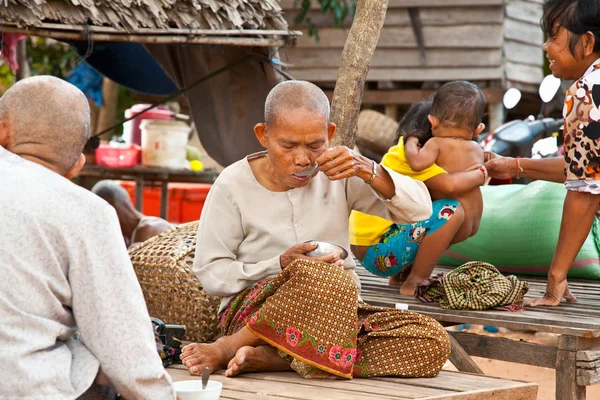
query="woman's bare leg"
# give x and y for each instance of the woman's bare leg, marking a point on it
(197, 356)
(430, 250)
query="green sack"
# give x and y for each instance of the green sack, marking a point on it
(519, 231)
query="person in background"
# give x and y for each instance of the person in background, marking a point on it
(135, 226)
(573, 48)
(72, 311)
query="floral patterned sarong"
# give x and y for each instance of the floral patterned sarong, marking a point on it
(311, 313)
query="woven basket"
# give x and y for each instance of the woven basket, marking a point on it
(376, 131)
(163, 265)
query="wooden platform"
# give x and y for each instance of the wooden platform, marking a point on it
(289, 385)
(576, 358)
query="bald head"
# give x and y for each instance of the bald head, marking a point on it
(113, 193)
(48, 119)
(292, 95)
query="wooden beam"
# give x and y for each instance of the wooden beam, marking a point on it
(407, 74)
(166, 31)
(407, 97)
(567, 387)
(156, 39)
(461, 360)
(503, 349)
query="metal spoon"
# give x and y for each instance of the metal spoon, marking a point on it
(309, 172)
(205, 375)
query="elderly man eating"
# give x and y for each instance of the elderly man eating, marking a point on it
(280, 307)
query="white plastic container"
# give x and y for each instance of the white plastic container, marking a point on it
(192, 390)
(164, 143)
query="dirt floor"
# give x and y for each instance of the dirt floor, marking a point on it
(543, 376)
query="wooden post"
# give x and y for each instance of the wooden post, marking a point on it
(107, 116)
(461, 359)
(496, 113)
(566, 370)
(24, 71)
(391, 110)
(354, 66)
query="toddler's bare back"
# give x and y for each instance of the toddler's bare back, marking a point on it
(457, 155)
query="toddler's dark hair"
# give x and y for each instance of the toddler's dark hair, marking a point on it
(459, 104)
(576, 16)
(415, 123)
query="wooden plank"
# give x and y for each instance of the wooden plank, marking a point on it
(464, 36)
(290, 4)
(399, 16)
(523, 53)
(523, 32)
(288, 385)
(294, 387)
(383, 97)
(587, 377)
(386, 387)
(498, 348)
(405, 74)
(588, 364)
(522, 392)
(395, 58)
(566, 377)
(524, 73)
(461, 360)
(524, 11)
(588, 355)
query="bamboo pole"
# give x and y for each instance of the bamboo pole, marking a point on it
(354, 66)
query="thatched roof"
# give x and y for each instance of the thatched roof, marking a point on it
(145, 17)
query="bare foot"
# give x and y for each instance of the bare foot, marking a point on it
(400, 277)
(197, 356)
(395, 280)
(408, 289)
(555, 292)
(257, 359)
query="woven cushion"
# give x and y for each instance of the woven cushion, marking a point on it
(163, 265)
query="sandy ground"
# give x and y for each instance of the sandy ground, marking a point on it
(543, 376)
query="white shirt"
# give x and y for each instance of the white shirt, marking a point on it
(244, 227)
(64, 268)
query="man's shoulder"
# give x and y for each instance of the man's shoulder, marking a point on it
(234, 177)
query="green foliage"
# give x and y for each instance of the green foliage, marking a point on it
(339, 9)
(49, 57)
(46, 57)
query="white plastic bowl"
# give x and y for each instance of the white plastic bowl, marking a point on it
(192, 390)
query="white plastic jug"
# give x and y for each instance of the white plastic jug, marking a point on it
(164, 143)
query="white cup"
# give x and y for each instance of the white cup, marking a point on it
(192, 390)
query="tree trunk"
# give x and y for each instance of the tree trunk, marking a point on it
(354, 66)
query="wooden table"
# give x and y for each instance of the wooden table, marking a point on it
(142, 175)
(576, 358)
(289, 385)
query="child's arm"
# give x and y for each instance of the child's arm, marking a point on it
(452, 184)
(420, 158)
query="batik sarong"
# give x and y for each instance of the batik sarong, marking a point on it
(311, 313)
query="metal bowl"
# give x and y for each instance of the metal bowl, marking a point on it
(326, 248)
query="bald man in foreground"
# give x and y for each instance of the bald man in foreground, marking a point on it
(73, 314)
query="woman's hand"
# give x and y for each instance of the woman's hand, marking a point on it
(340, 162)
(499, 167)
(299, 252)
